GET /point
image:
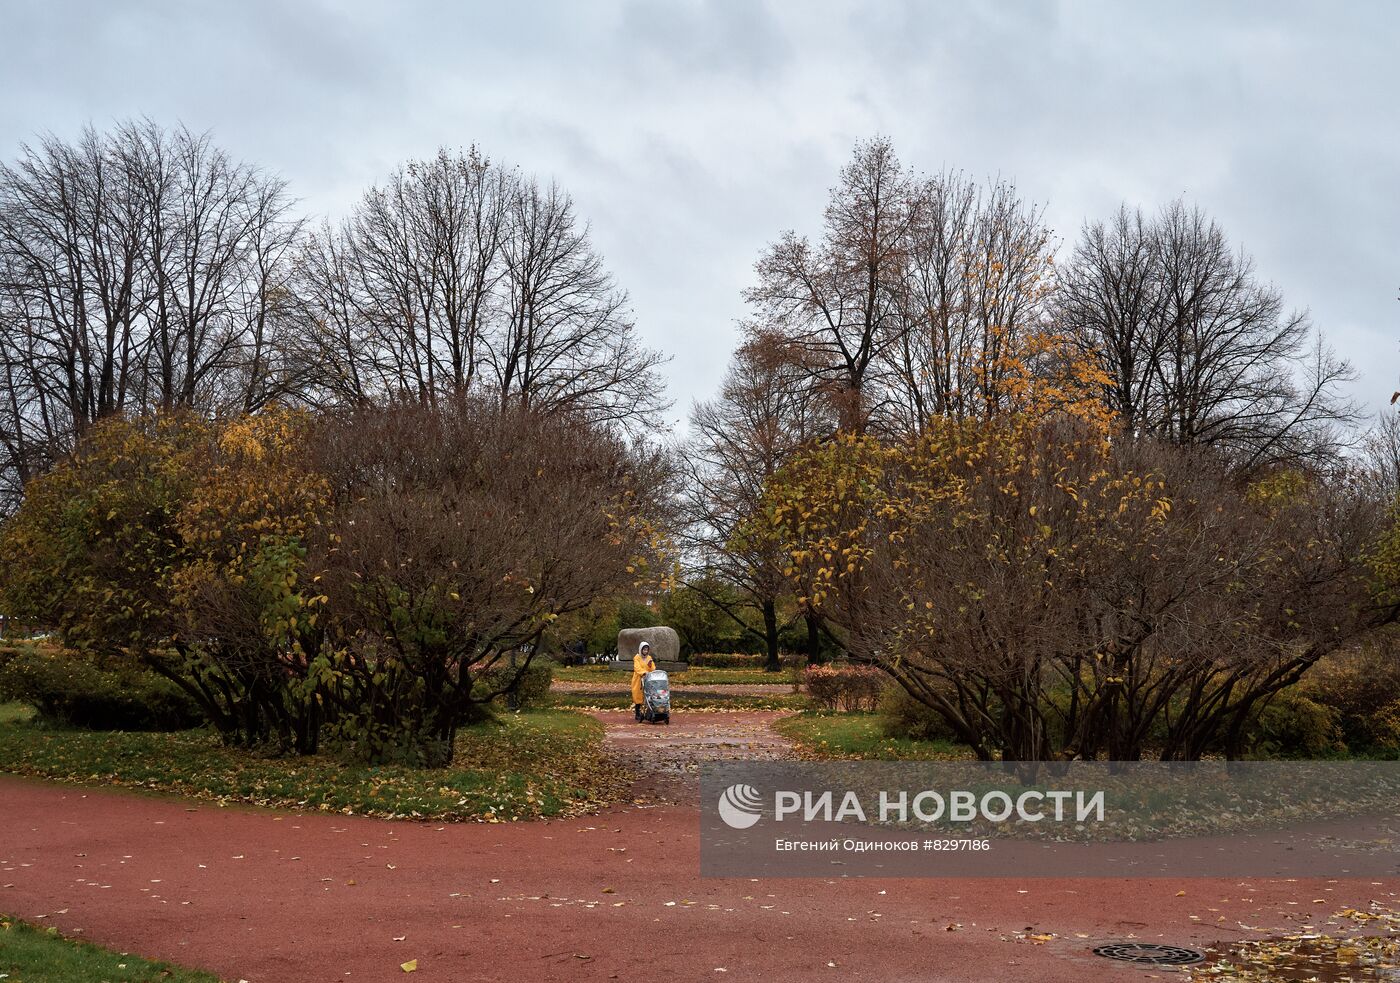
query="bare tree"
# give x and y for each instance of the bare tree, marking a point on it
(765, 411)
(975, 281)
(401, 291)
(138, 268)
(1198, 350)
(919, 284)
(462, 276)
(566, 339)
(838, 301)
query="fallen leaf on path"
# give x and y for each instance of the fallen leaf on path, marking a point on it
(409, 967)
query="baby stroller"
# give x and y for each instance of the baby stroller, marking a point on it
(656, 699)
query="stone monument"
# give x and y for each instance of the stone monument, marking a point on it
(665, 646)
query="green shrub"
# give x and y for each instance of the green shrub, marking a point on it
(743, 660)
(1363, 687)
(1383, 729)
(904, 716)
(844, 687)
(77, 691)
(531, 689)
(1293, 726)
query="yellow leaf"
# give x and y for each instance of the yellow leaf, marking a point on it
(410, 966)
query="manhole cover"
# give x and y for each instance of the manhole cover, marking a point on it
(1149, 952)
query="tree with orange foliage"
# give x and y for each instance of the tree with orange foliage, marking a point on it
(252, 630)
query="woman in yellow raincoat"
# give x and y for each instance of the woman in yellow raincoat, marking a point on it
(642, 663)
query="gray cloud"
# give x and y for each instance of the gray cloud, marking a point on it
(691, 133)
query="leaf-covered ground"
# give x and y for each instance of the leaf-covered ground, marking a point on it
(1351, 946)
(524, 766)
(822, 735)
(29, 954)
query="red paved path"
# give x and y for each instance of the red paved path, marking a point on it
(267, 898)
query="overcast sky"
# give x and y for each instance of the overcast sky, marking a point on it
(691, 133)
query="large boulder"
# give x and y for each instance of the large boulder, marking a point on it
(665, 644)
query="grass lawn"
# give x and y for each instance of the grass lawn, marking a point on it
(524, 766)
(826, 735)
(29, 954)
(696, 676)
(13, 713)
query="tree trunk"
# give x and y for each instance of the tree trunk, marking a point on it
(814, 639)
(770, 636)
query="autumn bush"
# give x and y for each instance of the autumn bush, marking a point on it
(1053, 593)
(358, 576)
(845, 688)
(457, 536)
(248, 630)
(1291, 725)
(1362, 686)
(98, 539)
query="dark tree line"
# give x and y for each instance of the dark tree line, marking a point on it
(146, 269)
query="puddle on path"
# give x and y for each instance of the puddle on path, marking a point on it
(1364, 948)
